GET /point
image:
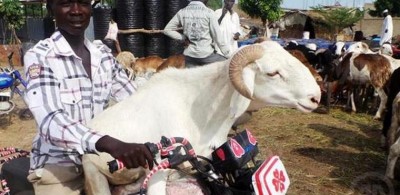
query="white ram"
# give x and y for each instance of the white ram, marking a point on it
(201, 104)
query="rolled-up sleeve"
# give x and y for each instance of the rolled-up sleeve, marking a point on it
(171, 28)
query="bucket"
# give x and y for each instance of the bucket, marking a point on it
(306, 35)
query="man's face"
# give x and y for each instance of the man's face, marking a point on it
(229, 4)
(72, 16)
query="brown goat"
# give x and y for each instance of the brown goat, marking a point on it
(177, 61)
(302, 58)
(362, 68)
(147, 64)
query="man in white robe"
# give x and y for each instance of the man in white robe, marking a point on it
(229, 23)
(387, 28)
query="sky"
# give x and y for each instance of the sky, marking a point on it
(306, 4)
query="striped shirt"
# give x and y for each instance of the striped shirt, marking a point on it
(63, 98)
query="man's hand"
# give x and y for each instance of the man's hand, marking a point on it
(236, 36)
(131, 154)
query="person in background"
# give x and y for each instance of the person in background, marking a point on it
(387, 28)
(70, 81)
(229, 23)
(200, 31)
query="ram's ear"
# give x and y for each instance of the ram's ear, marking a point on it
(239, 103)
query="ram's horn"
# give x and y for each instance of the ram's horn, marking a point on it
(240, 60)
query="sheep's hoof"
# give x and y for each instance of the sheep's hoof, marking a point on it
(377, 118)
(389, 176)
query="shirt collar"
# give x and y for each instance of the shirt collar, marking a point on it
(62, 47)
(196, 3)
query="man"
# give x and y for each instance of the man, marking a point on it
(387, 28)
(71, 80)
(200, 30)
(229, 23)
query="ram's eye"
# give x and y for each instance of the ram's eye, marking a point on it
(276, 73)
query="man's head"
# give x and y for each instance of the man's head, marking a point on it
(228, 4)
(385, 12)
(72, 16)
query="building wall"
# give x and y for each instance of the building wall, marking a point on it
(372, 26)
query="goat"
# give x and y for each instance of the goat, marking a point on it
(126, 58)
(200, 104)
(338, 48)
(359, 47)
(309, 53)
(302, 58)
(362, 68)
(176, 61)
(146, 64)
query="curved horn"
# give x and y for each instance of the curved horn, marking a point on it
(240, 60)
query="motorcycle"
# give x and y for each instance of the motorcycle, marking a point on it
(10, 83)
(228, 172)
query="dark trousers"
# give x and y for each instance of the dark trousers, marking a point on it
(191, 62)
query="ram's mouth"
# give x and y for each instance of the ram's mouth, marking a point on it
(305, 108)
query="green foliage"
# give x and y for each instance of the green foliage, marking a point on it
(392, 5)
(13, 19)
(35, 10)
(339, 18)
(12, 13)
(267, 10)
(214, 4)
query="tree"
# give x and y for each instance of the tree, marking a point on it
(392, 5)
(339, 18)
(266, 10)
(13, 19)
(214, 4)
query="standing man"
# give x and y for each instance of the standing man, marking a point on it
(71, 80)
(229, 23)
(387, 28)
(200, 30)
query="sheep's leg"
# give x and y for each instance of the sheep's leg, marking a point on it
(382, 104)
(394, 153)
(394, 124)
(353, 104)
(95, 181)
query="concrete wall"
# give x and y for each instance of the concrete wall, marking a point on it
(372, 26)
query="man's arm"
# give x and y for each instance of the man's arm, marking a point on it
(217, 36)
(171, 29)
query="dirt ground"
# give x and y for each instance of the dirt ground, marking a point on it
(335, 153)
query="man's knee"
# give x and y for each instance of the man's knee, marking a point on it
(53, 179)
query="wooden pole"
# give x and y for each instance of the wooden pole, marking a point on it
(152, 31)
